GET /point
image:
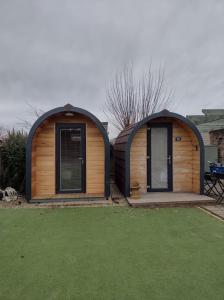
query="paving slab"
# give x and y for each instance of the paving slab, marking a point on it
(217, 210)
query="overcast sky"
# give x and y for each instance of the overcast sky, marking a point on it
(54, 52)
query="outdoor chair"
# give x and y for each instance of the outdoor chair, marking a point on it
(214, 186)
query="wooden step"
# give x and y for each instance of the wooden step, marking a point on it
(170, 199)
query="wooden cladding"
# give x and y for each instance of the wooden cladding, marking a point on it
(186, 157)
(138, 159)
(43, 157)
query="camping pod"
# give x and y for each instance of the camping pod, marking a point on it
(67, 156)
(163, 152)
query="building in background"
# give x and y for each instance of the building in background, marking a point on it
(211, 127)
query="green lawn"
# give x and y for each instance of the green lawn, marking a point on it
(111, 253)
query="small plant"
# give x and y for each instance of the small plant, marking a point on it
(12, 155)
(135, 187)
(135, 184)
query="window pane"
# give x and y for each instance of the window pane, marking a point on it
(70, 162)
(159, 158)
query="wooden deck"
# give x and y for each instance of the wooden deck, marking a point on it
(72, 196)
(71, 203)
(74, 199)
(170, 200)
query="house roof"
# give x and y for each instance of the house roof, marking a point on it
(209, 116)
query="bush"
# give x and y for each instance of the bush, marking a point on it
(12, 154)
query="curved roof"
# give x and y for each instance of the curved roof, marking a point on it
(65, 109)
(124, 140)
(126, 136)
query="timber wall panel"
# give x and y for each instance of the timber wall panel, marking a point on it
(182, 158)
(138, 162)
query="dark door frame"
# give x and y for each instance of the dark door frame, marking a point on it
(83, 155)
(169, 153)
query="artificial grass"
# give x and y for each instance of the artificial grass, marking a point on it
(110, 253)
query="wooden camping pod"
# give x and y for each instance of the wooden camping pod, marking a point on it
(186, 149)
(41, 155)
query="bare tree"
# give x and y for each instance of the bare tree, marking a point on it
(130, 100)
(34, 112)
(3, 132)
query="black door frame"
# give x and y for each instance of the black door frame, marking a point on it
(169, 153)
(83, 155)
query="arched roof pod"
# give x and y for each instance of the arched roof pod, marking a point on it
(125, 138)
(65, 109)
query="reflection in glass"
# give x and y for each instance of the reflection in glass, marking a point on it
(70, 159)
(159, 178)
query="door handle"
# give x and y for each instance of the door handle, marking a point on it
(82, 160)
(169, 159)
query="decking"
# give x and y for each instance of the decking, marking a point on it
(71, 203)
(170, 200)
(74, 199)
(69, 196)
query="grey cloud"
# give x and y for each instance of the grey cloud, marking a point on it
(54, 52)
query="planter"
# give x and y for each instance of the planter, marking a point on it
(135, 191)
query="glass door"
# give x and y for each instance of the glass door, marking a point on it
(159, 144)
(70, 154)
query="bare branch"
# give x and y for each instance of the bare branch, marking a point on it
(34, 112)
(129, 100)
(3, 132)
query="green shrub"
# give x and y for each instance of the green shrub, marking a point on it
(12, 154)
